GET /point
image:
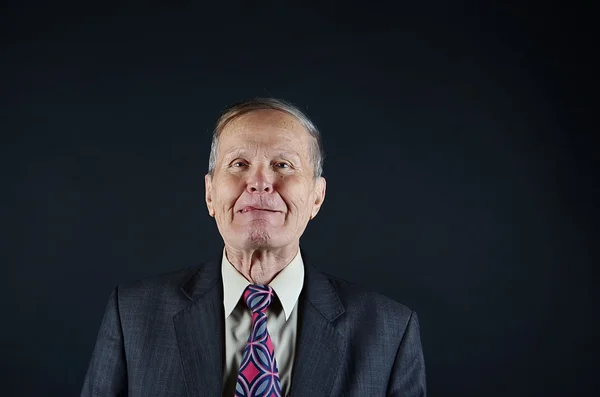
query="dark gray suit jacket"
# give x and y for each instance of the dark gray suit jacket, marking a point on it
(164, 336)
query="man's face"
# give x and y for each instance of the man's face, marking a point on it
(263, 191)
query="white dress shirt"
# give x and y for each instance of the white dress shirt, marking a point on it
(282, 320)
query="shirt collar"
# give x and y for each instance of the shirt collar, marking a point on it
(287, 284)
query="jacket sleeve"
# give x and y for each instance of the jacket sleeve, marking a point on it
(107, 372)
(408, 372)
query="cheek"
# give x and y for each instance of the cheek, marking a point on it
(297, 199)
(227, 191)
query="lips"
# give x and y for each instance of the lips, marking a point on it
(250, 208)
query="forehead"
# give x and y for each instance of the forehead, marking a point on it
(269, 129)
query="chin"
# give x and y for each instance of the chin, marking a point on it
(258, 237)
(262, 238)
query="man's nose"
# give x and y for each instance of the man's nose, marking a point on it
(260, 182)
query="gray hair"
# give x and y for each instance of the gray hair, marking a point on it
(239, 109)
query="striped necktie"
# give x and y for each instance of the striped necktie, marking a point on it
(258, 375)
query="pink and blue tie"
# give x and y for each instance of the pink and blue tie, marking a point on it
(258, 375)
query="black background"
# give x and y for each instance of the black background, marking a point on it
(460, 167)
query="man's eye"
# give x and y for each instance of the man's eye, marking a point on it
(282, 165)
(238, 164)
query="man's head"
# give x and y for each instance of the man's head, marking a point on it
(264, 180)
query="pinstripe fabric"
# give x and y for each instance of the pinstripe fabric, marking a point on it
(163, 337)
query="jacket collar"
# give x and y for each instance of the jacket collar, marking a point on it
(199, 329)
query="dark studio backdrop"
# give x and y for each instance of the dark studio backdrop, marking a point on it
(460, 167)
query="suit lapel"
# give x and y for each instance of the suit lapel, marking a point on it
(319, 349)
(199, 331)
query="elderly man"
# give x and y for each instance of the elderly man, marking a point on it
(259, 320)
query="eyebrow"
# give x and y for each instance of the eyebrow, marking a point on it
(289, 153)
(241, 152)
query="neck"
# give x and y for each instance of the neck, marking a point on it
(260, 266)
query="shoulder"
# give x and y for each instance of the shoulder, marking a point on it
(158, 290)
(365, 310)
(356, 294)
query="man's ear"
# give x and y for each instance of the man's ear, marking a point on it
(208, 194)
(320, 188)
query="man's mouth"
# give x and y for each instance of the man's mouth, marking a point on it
(248, 209)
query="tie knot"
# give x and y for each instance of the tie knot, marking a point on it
(258, 297)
